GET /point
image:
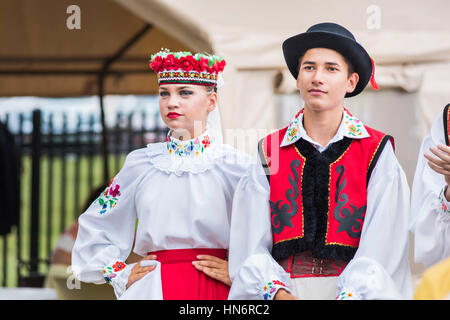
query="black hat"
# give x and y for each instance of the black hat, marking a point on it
(331, 36)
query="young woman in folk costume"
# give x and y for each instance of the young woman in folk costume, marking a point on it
(180, 191)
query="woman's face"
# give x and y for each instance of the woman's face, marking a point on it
(185, 107)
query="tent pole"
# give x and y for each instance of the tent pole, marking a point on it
(101, 78)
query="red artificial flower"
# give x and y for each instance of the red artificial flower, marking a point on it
(222, 65)
(187, 63)
(171, 62)
(202, 65)
(219, 66)
(156, 64)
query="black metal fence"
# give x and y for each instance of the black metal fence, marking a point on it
(61, 163)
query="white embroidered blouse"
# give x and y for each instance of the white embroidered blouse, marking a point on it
(430, 210)
(180, 192)
(380, 268)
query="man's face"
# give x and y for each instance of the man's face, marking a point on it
(323, 79)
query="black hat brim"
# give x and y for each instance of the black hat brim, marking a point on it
(296, 46)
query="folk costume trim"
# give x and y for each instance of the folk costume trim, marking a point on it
(110, 272)
(353, 128)
(184, 67)
(348, 295)
(308, 179)
(264, 161)
(281, 211)
(271, 288)
(446, 119)
(193, 147)
(340, 170)
(443, 202)
(183, 158)
(377, 154)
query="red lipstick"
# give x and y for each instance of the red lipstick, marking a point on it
(173, 115)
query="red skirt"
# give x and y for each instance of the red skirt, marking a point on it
(181, 281)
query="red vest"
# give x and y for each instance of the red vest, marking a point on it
(318, 200)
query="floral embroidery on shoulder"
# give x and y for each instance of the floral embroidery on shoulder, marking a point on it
(109, 198)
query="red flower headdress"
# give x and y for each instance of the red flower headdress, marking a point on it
(185, 67)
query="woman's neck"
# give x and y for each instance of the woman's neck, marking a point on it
(321, 126)
(185, 134)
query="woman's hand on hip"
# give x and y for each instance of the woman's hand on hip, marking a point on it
(214, 267)
(139, 271)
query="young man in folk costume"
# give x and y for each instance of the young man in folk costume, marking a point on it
(430, 196)
(324, 212)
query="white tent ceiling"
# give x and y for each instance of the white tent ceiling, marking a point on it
(252, 31)
(409, 41)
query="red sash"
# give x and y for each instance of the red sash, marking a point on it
(181, 281)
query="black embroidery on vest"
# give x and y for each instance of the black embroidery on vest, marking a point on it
(315, 193)
(281, 215)
(348, 221)
(315, 203)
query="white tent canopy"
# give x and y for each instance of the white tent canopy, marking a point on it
(252, 31)
(409, 41)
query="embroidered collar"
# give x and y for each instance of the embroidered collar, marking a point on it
(193, 147)
(350, 127)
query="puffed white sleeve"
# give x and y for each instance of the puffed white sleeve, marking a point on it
(380, 268)
(254, 273)
(430, 210)
(106, 229)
